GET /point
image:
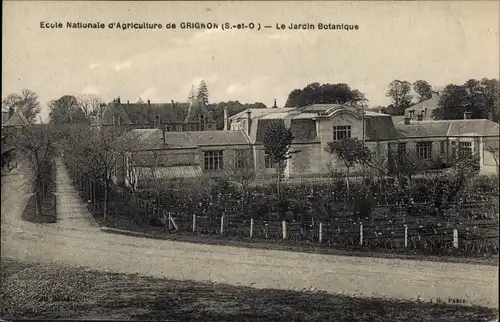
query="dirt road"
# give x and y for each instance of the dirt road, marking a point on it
(78, 242)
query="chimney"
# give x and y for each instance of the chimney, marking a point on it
(407, 120)
(248, 121)
(274, 105)
(172, 102)
(420, 117)
(128, 104)
(467, 115)
(149, 103)
(226, 119)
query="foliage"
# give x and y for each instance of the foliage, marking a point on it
(351, 151)
(400, 93)
(66, 110)
(192, 94)
(36, 148)
(27, 103)
(423, 90)
(90, 104)
(479, 98)
(316, 93)
(202, 94)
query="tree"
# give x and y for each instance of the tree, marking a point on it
(140, 101)
(192, 94)
(423, 90)
(351, 151)
(277, 141)
(400, 93)
(479, 98)
(66, 110)
(316, 93)
(35, 145)
(202, 95)
(27, 103)
(242, 171)
(90, 104)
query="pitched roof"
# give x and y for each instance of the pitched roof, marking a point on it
(194, 109)
(379, 127)
(146, 139)
(17, 119)
(443, 128)
(431, 104)
(259, 112)
(144, 113)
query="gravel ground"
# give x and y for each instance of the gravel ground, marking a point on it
(51, 291)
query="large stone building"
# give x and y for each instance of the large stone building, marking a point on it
(212, 153)
(173, 116)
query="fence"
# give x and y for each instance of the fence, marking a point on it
(427, 234)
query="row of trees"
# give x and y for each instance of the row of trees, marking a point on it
(479, 97)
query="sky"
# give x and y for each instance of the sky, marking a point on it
(440, 42)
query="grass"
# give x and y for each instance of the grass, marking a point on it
(42, 291)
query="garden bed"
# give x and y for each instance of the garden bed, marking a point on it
(54, 292)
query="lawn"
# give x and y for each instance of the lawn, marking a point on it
(41, 291)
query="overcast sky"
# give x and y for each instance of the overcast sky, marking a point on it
(441, 42)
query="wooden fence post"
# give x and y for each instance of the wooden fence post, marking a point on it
(455, 238)
(320, 232)
(194, 223)
(283, 226)
(406, 236)
(361, 234)
(222, 224)
(251, 227)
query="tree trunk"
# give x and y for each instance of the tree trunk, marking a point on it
(38, 204)
(105, 202)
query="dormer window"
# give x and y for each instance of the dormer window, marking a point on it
(157, 120)
(116, 120)
(201, 119)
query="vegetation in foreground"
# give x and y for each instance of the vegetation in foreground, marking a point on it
(52, 292)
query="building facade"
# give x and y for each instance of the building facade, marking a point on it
(173, 116)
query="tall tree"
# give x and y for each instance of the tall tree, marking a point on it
(202, 95)
(192, 94)
(316, 93)
(140, 101)
(277, 141)
(423, 90)
(351, 151)
(400, 93)
(89, 104)
(26, 103)
(66, 110)
(479, 98)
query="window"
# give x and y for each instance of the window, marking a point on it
(401, 149)
(116, 120)
(341, 132)
(465, 149)
(168, 128)
(240, 159)
(201, 118)
(213, 160)
(157, 120)
(269, 162)
(424, 150)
